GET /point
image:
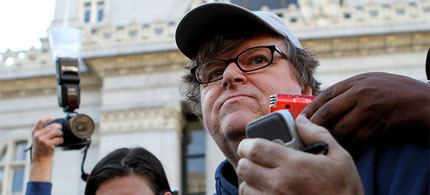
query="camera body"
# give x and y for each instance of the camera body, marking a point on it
(277, 126)
(77, 128)
(293, 103)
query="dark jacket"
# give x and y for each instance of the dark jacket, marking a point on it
(384, 168)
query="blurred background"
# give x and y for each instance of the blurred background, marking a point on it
(131, 71)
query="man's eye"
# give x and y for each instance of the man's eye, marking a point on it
(257, 60)
(214, 74)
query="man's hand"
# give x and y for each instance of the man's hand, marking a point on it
(270, 168)
(44, 141)
(367, 106)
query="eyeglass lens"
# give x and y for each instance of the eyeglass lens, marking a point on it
(249, 60)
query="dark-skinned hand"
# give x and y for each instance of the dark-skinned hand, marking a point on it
(369, 106)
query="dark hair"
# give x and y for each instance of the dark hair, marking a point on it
(227, 39)
(128, 161)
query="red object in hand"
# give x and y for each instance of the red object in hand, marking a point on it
(293, 103)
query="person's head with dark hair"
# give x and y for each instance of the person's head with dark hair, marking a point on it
(127, 170)
(239, 58)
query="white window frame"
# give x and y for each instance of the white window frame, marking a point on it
(10, 164)
(94, 11)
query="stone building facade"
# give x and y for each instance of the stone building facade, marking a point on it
(132, 70)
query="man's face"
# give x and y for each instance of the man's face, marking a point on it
(229, 104)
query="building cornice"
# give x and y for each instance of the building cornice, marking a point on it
(42, 86)
(146, 119)
(369, 45)
(140, 63)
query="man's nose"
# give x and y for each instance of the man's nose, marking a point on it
(233, 75)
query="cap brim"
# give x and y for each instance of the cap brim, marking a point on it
(190, 32)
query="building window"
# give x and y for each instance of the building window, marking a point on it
(87, 12)
(158, 31)
(100, 11)
(193, 157)
(13, 165)
(132, 33)
(347, 15)
(107, 36)
(426, 10)
(373, 13)
(400, 11)
(18, 180)
(293, 20)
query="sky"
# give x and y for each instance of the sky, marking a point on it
(24, 22)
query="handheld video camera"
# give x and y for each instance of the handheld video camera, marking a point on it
(279, 126)
(77, 128)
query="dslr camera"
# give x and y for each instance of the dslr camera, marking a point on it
(77, 128)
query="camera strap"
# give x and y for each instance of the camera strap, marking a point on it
(29, 149)
(84, 176)
(428, 66)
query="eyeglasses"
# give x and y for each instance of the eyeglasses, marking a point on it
(254, 58)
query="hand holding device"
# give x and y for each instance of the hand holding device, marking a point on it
(279, 127)
(262, 162)
(77, 128)
(73, 131)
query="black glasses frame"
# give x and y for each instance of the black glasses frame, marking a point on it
(272, 48)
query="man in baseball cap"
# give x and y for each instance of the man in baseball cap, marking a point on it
(238, 59)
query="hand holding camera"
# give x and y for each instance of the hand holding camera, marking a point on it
(77, 128)
(71, 132)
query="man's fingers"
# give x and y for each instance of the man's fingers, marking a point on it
(48, 134)
(325, 96)
(333, 109)
(311, 133)
(54, 131)
(254, 174)
(350, 124)
(246, 189)
(319, 101)
(39, 125)
(57, 140)
(262, 151)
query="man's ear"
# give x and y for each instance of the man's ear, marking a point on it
(307, 91)
(167, 193)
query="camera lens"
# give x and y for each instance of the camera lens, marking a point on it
(82, 126)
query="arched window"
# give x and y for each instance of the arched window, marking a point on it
(14, 166)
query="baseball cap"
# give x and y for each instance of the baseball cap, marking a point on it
(191, 29)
